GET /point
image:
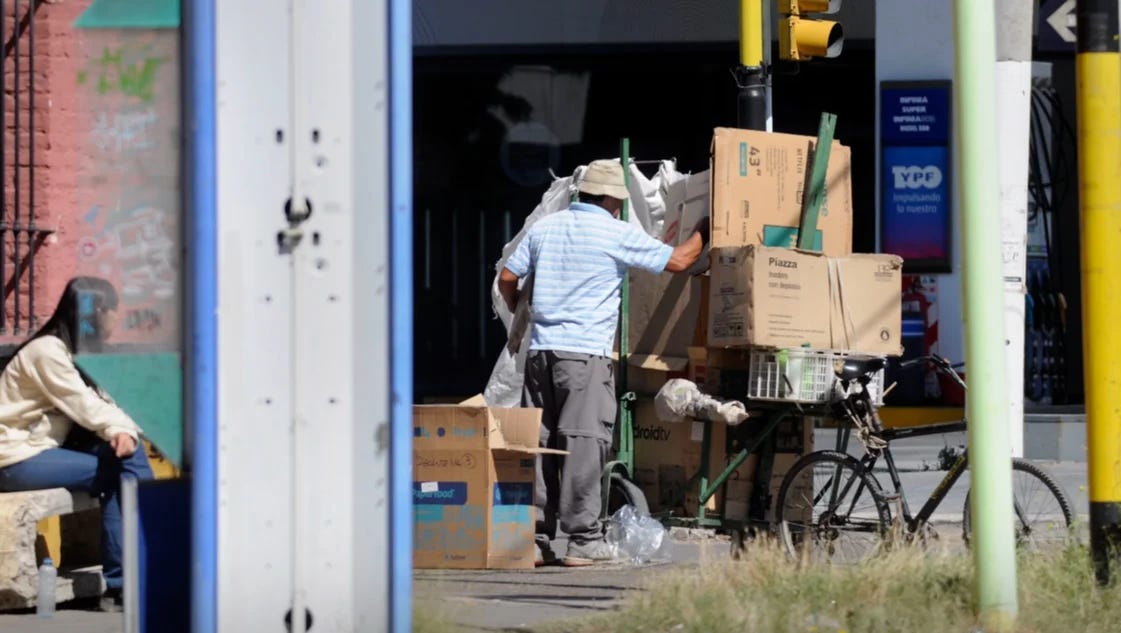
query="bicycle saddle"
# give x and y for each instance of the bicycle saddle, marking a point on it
(853, 367)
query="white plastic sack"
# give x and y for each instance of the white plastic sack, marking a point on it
(679, 400)
(504, 389)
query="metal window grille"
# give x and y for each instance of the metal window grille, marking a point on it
(20, 237)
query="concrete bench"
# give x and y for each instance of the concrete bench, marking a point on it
(20, 514)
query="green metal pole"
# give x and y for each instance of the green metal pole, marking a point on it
(990, 452)
(625, 453)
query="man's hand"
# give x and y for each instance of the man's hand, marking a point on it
(703, 227)
(123, 445)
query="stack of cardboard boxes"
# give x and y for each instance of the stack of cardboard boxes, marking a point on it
(759, 293)
(474, 465)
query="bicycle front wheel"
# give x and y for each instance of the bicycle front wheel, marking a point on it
(1041, 508)
(830, 509)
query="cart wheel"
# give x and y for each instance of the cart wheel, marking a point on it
(625, 492)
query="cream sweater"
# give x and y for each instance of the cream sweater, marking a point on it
(42, 394)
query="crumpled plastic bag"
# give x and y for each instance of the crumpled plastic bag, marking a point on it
(637, 537)
(679, 400)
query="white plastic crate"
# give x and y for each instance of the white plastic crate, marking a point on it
(800, 375)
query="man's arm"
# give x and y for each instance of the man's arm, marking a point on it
(688, 252)
(508, 288)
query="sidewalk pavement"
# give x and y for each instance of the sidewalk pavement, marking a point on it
(64, 621)
(524, 600)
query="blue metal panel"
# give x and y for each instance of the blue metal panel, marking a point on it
(401, 319)
(201, 312)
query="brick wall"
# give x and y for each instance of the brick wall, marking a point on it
(42, 119)
(106, 167)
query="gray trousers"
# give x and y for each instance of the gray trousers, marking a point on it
(576, 393)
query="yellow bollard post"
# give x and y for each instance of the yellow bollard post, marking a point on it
(1098, 71)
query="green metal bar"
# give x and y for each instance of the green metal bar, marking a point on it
(625, 453)
(706, 445)
(768, 432)
(990, 455)
(814, 196)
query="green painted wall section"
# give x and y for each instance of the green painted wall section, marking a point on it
(149, 387)
(130, 14)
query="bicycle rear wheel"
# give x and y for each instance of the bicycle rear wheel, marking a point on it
(830, 509)
(1043, 514)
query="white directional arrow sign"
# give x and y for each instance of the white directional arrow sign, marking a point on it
(1063, 21)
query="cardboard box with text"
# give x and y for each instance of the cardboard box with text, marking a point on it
(757, 184)
(776, 297)
(473, 485)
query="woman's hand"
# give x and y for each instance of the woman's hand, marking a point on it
(123, 445)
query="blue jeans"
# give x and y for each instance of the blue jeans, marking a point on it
(94, 469)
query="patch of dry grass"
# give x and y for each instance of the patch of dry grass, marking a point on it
(909, 590)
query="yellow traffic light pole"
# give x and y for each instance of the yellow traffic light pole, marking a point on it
(1098, 72)
(751, 33)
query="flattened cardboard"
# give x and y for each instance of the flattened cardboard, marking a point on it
(757, 184)
(687, 202)
(647, 373)
(663, 313)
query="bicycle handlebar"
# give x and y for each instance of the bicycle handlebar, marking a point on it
(941, 364)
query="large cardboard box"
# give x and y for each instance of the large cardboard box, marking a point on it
(867, 317)
(765, 296)
(757, 184)
(776, 297)
(473, 483)
(667, 455)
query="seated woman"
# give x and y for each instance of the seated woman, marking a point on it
(58, 429)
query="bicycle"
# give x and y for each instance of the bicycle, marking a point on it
(856, 520)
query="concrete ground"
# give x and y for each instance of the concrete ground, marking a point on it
(67, 620)
(521, 601)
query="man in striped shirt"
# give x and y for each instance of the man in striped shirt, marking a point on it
(578, 258)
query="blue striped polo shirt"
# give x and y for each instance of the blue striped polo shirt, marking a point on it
(579, 257)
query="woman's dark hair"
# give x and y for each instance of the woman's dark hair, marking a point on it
(75, 318)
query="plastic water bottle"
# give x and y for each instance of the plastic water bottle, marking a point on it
(48, 577)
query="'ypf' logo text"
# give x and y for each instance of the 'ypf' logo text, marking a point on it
(915, 177)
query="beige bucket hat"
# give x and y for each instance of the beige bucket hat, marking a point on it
(604, 178)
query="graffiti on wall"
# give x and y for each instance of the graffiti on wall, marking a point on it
(129, 233)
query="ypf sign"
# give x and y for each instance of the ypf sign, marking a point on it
(915, 178)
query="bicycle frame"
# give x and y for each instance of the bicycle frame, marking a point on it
(940, 491)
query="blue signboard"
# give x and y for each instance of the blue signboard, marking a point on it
(915, 191)
(915, 116)
(916, 203)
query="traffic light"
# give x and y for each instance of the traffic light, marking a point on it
(801, 37)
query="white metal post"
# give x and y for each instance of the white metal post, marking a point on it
(1013, 101)
(303, 333)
